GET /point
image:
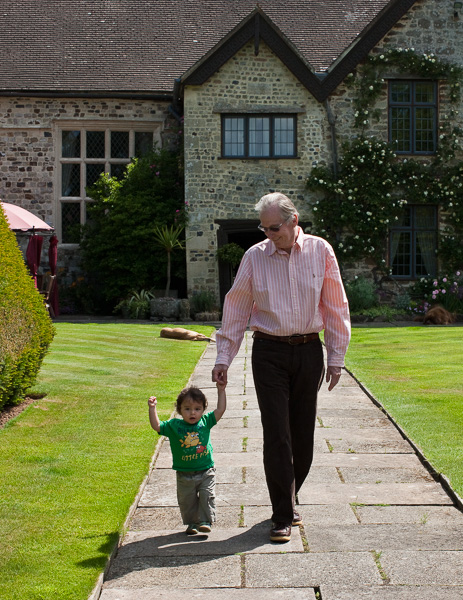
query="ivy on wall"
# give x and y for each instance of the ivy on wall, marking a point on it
(372, 185)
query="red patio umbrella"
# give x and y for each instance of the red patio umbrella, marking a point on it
(33, 253)
(20, 219)
(52, 260)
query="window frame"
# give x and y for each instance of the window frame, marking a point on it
(413, 230)
(246, 143)
(413, 105)
(82, 161)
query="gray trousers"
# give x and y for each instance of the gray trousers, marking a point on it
(196, 496)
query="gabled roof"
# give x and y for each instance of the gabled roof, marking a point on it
(143, 46)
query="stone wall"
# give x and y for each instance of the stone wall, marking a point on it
(218, 188)
(223, 189)
(29, 141)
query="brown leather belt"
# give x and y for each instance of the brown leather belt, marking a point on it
(292, 340)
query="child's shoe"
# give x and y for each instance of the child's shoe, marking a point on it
(205, 527)
(192, 529)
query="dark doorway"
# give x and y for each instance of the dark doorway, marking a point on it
(243, 233)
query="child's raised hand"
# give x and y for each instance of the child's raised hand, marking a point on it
(220, 385)
(152, 401)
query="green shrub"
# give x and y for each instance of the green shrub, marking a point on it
(403, 302)
(119, 250)
(361, 294)
(26, 330)
(202, 302)
(230, 253)
(135, 306)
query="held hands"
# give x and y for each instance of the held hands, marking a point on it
(152, 401)
(219, 375)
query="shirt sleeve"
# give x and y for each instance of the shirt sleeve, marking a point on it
(210, 419)
(334, 308)
(164, 428)
(236, 312)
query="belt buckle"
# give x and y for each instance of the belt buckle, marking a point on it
(293, 336)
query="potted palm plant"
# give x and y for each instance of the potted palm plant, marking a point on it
(169, 239)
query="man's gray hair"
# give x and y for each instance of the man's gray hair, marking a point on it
(287, 208)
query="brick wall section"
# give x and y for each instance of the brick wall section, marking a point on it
(28, 171)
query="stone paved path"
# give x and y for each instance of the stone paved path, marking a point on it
(376, 524)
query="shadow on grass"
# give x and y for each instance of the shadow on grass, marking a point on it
(106, 549)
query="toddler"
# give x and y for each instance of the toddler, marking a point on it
(191, 447)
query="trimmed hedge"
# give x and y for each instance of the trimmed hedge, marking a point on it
(26, 329)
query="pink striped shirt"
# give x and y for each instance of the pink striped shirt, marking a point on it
(285, 294)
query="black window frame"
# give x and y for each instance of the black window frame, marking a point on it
(413, 230)
(246, 117)
(413, 105)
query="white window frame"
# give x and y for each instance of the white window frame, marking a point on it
(154, 127)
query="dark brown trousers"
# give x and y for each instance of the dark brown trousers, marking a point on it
(287, 380)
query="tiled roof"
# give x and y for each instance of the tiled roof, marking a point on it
(144, 45)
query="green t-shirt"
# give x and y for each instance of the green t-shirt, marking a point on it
(190, 444)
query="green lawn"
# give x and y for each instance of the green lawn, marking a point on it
(72, 463)
(417, 375)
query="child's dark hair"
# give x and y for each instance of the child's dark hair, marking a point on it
(195, 394)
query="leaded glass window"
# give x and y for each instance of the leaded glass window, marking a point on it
(85, 154)
(413, 116)
(258, 136)
(413, 243)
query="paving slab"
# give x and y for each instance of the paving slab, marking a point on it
(390, 592)
(425, 515)
(352, 422)
(233, 433)
(376, 440)
(360, 538)
(368, 461)
(307, 570)
(381, 493)
(384, 475)
(404, 567)
(181, 572)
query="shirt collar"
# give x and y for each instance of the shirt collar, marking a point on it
(271, 248)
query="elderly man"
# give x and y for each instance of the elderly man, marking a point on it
(290, 287)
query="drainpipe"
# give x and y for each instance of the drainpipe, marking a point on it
(334, 146)
(173, 108)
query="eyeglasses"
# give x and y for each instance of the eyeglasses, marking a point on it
(274, 228)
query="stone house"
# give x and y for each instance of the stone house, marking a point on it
(261, 88)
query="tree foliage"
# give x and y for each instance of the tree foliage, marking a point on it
(119, 251)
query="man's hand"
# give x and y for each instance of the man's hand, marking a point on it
(333, 375)
(219, 374)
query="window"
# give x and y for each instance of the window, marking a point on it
(259, 136)
(413, 116)
(413, 243)
(85, 154)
